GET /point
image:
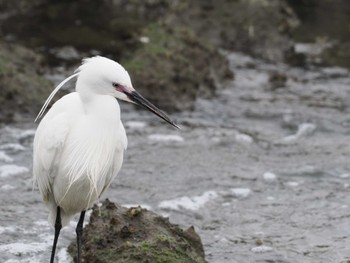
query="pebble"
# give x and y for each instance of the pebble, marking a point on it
(144, 39)
(189, 203)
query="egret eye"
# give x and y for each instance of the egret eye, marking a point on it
(117, 87)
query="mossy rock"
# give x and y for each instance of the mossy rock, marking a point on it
(117, 234)
(22, 87)
(261, 28)
(182, 61)
(176, 66)
(172, 70)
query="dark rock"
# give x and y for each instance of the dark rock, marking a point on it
(325, 24)
(175, 67)
(259, 27)
(118, 234)
(171, 48)
(277, 79)
(112, 27)
(22, 89)
(337, 55)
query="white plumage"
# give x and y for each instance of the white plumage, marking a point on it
(78, 147)
(80, 142)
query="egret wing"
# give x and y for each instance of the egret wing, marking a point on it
(49, 142)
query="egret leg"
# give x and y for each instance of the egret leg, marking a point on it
(79, 231)
(58, 226)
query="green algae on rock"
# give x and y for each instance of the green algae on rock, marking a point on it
(117, 234)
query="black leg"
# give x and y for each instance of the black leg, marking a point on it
(58, 226)
(79, 231)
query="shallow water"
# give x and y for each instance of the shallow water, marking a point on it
(261, 171)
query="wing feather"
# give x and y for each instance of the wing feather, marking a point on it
(49, 141)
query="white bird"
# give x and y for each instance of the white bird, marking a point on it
(79, 144)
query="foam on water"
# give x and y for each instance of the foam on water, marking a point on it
(23, 248)
(293, 184)
(5, 158)
(304, 130)
(269, 177)
(11, 169)
(166, 138)
(346, 175)
(63, 256)
(25, 260)
(261, 249)
(19, 133)
(26, 134)
(42, 223)
(7, 187)
(8, 229)
(135, 124)
(15, 147)
(241, 192)
(243, 138)
(189, 203)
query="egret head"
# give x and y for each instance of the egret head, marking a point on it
(100, 75)
(103, 76)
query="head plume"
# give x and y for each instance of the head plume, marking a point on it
(59, 86)
(43, 108)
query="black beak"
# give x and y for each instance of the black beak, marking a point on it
(140, 100)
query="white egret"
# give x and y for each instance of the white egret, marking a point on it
(79, 144)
